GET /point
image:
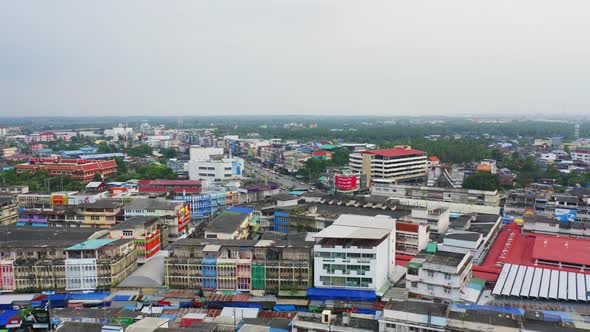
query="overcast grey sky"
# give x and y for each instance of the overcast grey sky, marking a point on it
(209, 57)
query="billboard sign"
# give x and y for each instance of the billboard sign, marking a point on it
(566, 215)
(345, 183)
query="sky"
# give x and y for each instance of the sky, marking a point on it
(324, 57)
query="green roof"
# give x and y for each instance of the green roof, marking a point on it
(432, 247)
(91, 244)
(478, 281)
(414, 265)
(293, 293)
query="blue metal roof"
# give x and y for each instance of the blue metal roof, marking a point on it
(340, 294)
(102, 155)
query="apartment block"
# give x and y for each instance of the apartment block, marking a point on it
(169, 186)
(438, 275)
(103, 213)
(403, 316)
(581, 155)
(447, 195)
(411, 238)
(175, 214)
(232, 224)
(395, 165)
(33, 258)
(8, 210)
(355, 252)
(145, 231)
(275, 264)
(99, 263)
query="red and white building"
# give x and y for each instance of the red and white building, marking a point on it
(166, 186)
(79, 169)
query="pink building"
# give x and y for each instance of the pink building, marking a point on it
(7, 275)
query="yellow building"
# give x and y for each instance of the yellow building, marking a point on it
(103, 213)
(8, 210)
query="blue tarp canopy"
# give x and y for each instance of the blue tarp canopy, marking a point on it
(320, 294)
(121, 297)
(6, 315)
(57, 300)
(89, 296)
(239, 209)
(284, 307)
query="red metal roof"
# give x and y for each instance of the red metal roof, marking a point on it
(561, 249)
(395, 152)
(406, 227)
(513, 247)
(433, 158)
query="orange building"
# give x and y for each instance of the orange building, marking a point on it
(79, 169)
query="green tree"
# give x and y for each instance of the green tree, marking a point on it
(482, 181)
(340, 157)
(524, 179)
(140, 150)
(97, 177)
(121, 165)
(168, 152)
(107, 148)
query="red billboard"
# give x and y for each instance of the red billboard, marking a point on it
(345, 182)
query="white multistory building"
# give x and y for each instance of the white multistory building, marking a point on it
(355, 252)
(121, 130)
(399, 164)
(581, 155)
(210, 164)
(440, 275)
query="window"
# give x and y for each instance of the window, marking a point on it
(430, 274)
(94, 218)
(127, 233)
(414, 284)
(447, 276)
(447, 290)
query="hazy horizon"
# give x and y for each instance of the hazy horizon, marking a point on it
(290, 57)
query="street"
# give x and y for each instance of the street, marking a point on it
(286, 182)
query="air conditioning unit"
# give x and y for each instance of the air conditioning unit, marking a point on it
(326, 316)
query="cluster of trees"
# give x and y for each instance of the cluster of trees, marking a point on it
(482, 181)
(41, 181)
(314, 168)
(140, 151)
(455, 151)
(405, 130)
